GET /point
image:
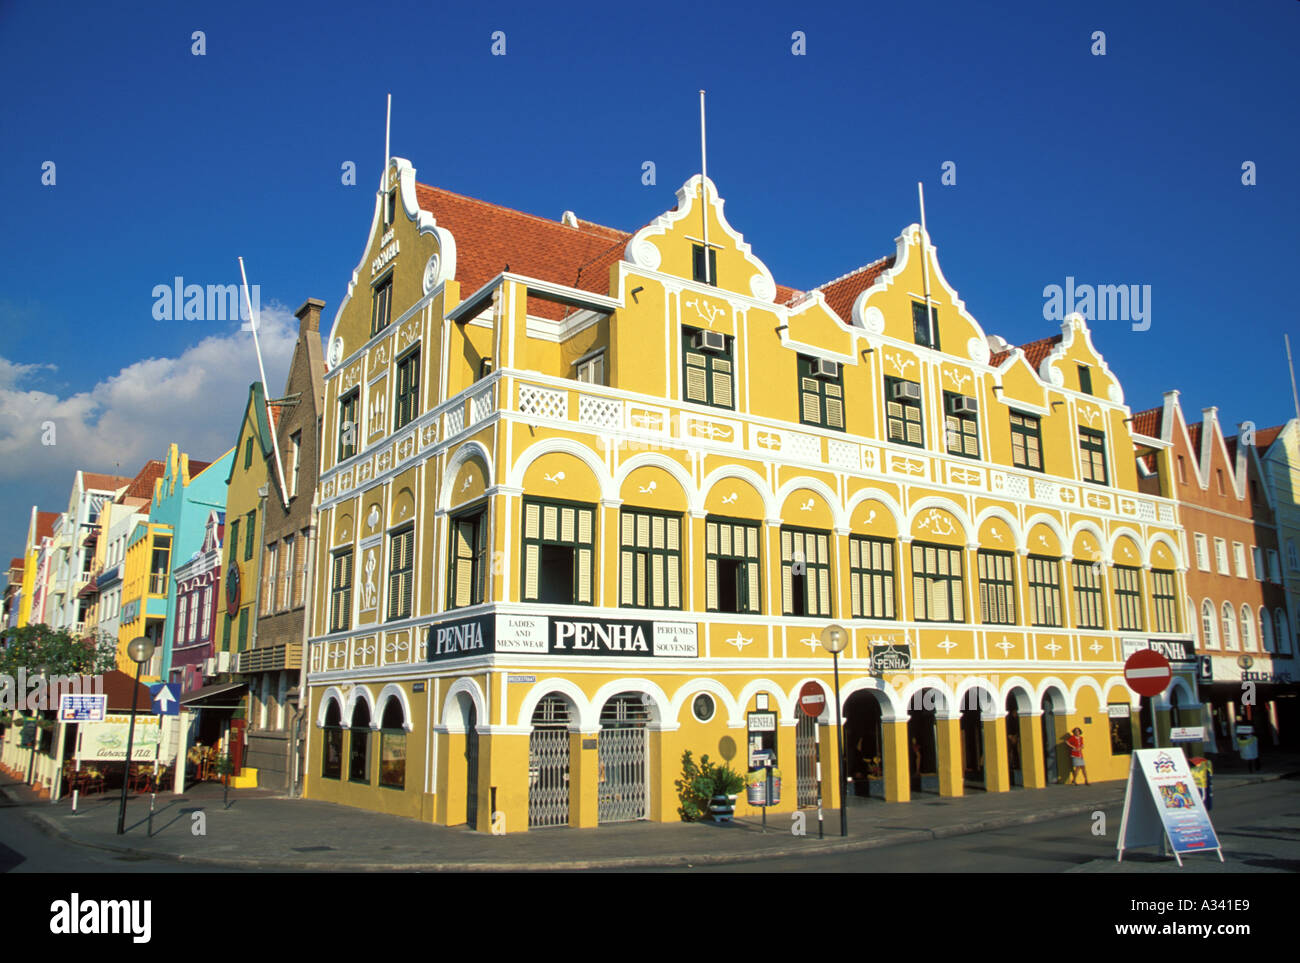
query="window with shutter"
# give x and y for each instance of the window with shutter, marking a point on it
(558, 552)
(926, 335)
(1163, 600)
(408, 390)
(341, 593)
(1044, 590)
(1026, 441)
(348, 429)
(937, 589)
(401, 573)
(381, 305)
(1092, 456)
(649, 559)
(821, 398)
(1128, 597)
(997, 571)
(805, 572)
(871, 577)
(961, 430)
(903, 415)
(731, 566)
(468, 550)
(1086, 578)
(708, 377)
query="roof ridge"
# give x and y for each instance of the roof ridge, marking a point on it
(845, 277)
(513, 210)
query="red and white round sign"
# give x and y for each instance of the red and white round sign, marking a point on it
(812, 700)
(1147, 672)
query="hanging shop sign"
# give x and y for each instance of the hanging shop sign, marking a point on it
(890, 658)
(546, 635)
(1243, 668)
(106, 741)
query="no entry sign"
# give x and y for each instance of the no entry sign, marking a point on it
(812, 700)
(1147, 672)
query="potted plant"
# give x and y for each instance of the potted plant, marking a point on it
(727, 784)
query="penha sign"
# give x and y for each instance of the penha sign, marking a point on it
(546, 635)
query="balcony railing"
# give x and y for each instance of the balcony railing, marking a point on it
(158, 583)
(270, 658)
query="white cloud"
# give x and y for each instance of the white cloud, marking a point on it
(194, 399)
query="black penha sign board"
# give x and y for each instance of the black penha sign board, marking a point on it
(543, 635)
(890, 658)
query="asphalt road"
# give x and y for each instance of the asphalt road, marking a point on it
(25, 849)
(1258, 825)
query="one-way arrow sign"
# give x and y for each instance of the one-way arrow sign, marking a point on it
(166, 698)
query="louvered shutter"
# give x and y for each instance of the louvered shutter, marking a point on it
(464, 562)
(697, 388)
(811, 400)
(913, 425)
(480, 558)
(823, 581)
(531, 513)
(710, 584)
(722, 383)
(834, 407)
(751, 579)
(627, 559)
(674, 582)
(584, 575)
(532, 563)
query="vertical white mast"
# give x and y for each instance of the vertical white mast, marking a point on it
(1294, 396)
(388, 128)
(925, 266)
(266, 395)
(704, 191)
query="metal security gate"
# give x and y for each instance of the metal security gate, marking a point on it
(805, 755)
(471, 768)
(548, 765)
(624, 759)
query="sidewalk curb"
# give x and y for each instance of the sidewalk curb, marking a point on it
(666, 861)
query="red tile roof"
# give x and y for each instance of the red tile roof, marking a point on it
(843, 291)
(109, 483)
(197, 466)
(490, 238)
(1036, 351)
(45, 524)
(142, 484)
(16, 563)
(1148, 422)
(1266, 436)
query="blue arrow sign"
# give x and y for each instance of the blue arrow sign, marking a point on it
(166, 698)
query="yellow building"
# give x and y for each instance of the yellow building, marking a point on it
(146, 572)
(589, 498)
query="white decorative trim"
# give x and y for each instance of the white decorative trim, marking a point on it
(644, 253)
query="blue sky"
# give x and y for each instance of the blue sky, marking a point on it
(1123, 168)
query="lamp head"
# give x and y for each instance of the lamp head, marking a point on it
(140, 649)
(835, 638)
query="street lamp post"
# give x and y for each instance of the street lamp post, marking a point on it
(835, 638)
(140, 650)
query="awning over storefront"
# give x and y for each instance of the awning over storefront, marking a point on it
(220, 695)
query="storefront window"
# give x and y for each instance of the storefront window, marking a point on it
(332, 761)
(359, 756)
(1121, 729)
(392, 746)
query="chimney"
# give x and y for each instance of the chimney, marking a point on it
(309, 315)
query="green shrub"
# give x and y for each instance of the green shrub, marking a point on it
(700, 783)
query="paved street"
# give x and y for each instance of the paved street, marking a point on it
(1258, 825)
(1046, 830)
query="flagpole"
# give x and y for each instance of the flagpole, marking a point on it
(704, 191)
(266, 395)
(388, 128)
(925, 266)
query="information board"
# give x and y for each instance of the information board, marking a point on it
(1161, 801)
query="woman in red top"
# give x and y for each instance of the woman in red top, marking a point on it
(1077, 768)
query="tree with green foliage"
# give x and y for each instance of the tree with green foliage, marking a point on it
(60, 653)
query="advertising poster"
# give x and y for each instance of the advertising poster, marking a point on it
(106, 741)
(1161, 801)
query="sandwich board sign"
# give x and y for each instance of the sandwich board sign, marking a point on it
(1161, 800)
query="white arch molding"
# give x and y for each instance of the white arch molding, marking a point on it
(944, 504)
(770, 508)
(467, 451)
(944, 707)
(331, 693)
(653, 459)
(453, 716)
(876, 495)
(1160, 538)
(659, 704)
(359, 693)
(551, 446)
(1001, 514)
(1023, 690)
(693, 687)
(892, 707)
(585, 718)
(838, 516)
(395, 691)
(1062, 701)
(785, 705)
(1053, 525)
(1143, 558)
(981, 684)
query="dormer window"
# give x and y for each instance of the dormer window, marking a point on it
(390, 206)
(1085, 379)
(382, 305)
(697, 265)
(923, 333)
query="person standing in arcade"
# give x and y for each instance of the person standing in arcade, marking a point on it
(1077, 768)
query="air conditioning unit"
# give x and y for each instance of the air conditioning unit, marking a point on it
(965, 405)
(711, 341)
(223, 661)
(821, 368)
(210, 666)
(907, 391)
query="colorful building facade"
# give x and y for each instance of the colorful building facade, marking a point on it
(1236, 602)
(198, 599)
(588, 499)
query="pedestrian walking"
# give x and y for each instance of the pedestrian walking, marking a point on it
(1248, 746)
(1077, 768)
